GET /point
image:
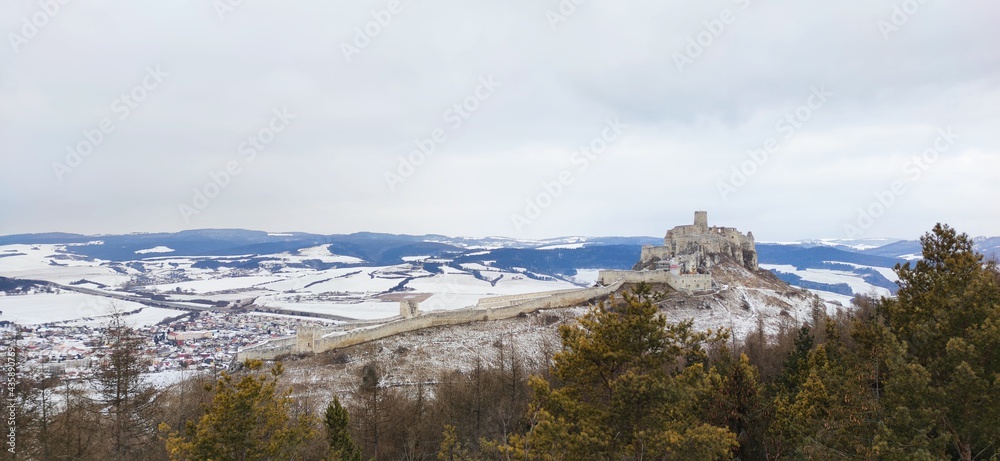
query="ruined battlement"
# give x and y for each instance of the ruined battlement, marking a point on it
(697, 247)
(687, 255)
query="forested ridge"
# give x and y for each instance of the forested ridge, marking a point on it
(914, 377)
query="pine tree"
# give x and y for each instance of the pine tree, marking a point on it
(739, 404)
(451, 449)
(338, 433)
(626, 386)
(248, 420)
(947, 319)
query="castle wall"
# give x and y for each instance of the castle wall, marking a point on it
(270, 349)
(690, 282)
(650, 252)
(510, 300)
(694, 282)
(559, 299)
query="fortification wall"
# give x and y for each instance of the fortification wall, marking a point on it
(650, 252)
(270, 349)
(315, 343)
(691, 282)
(695, 282)
(706, 247)
(510, 300)
(657, 276)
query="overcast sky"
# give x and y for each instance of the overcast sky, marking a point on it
(543, 118)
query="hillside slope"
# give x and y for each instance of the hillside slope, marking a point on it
(744, 300)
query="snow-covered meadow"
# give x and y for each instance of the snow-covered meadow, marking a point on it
(349, 289)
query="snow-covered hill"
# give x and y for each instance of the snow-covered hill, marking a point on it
(349, 276)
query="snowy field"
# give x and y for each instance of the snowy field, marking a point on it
(219, 284)
(157, 249)
(34, 309)
(586, 277)
(856, 282)
(833, 297)
(50, 263)
(886, 272)
(566, 246)
(511, 284)
(351, 279)
(146, 317)
(322, 253)
(350, 292)
(453, 290)
(365, 310)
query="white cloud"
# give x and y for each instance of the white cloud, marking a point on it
(326, 172)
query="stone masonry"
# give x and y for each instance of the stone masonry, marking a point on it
(696, 248)
(687, 254)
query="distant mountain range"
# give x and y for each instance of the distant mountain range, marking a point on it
(810, 264)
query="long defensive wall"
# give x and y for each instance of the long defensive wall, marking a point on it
(314, 340)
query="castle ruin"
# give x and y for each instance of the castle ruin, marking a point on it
(695, 248)
(687, 254)
(683, 263)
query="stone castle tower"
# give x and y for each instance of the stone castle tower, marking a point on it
(305, 338)
(701, 219)
(697, 247)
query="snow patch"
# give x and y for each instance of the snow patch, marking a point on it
(565, 246)
(856, 282)
(586, 276)
(156, 249)
(92, 242)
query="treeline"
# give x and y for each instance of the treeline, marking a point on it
(916, 377)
